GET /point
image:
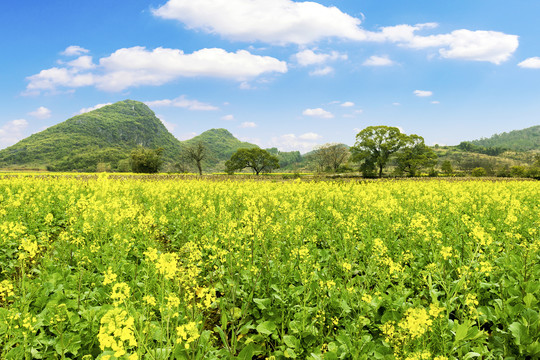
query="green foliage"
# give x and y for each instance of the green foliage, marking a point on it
(220, 145)
(478, 172)
(258, 160)
(105, 135)
(470, 147)
(447, 167)
(415, 155)
(145, 160)
(196, 153)
(287, 159)
(518, 140)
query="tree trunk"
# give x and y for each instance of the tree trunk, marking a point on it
(199, 167)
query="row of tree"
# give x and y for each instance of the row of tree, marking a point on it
(375, 148)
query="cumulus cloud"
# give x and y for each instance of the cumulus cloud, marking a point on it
(277, 21)
(82, 63)
(41, 113)
(318, 112)
(284, 22)
(423, 93)
(378, 61)
(74, 50)
(347, 104)
(530, 63)
(291, 142)
(12, 132)
(322, 71)
(248, 124)
(182, 102)
(137, 66)
(309, 57)
(92, 108)
(492, 46)
(228, 117)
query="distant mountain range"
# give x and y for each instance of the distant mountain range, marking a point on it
(109, 134)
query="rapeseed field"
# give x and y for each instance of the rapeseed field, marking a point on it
(94, 267)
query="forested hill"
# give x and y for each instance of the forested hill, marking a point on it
(106, 135)
(517, 140)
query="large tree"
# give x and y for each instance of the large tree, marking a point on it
(197, 153)
(256, 159)
(145, 160)
(415, 155)
(374, 146)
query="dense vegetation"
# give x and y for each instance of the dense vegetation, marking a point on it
(93, 267)
(517, 140)
(106, 135)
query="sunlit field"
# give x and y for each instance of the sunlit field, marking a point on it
(167, 268)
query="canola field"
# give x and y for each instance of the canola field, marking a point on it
(156, 268)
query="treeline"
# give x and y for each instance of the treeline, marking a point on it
(379, 151)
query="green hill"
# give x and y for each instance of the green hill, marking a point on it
(105, 135)
(517, 140)
(220, 144)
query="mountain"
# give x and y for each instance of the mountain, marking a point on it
(220, 145)
(106, 135)
(517, 140)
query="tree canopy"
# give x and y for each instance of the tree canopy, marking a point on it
(374, 146)
(256, 159)
(415, 155)
(144, 160)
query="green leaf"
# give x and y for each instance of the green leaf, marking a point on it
(520, 332)
(267, 327)
(262, 304)
(246, 353)
(289, 354)
(290, 341)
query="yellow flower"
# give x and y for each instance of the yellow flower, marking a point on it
(110, 277)
(120, 292)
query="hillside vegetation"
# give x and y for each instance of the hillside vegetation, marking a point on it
(105, 135)
(517, 140)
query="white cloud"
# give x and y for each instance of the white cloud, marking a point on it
(322, 72)
(92, 108)
(248, 124)
(285, 22)
(318, 112)
(378, 61)
(12, 132)
(435, 102)
(275, 21)
(182, 102)
(82, 63)
(187, 136)
(74, 50)
(309, 57)
(422, 93)
(310, 136)
(41, 113)
(228, 117)
(290, 142)
(396, 104)
(530, 63)
(347, 104)
(138, 66)
(492, 46)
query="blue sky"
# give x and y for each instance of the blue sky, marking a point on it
(278, 73)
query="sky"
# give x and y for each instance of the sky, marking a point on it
(278, 73)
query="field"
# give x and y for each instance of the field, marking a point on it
(157, 268)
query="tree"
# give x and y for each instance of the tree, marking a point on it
(415, 155)
(374, 146)
(478, 172)
(197, 153)
(255, 158)
(447, 168)
(331, 156)
(144, 160)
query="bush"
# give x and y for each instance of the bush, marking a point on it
(478, 172)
